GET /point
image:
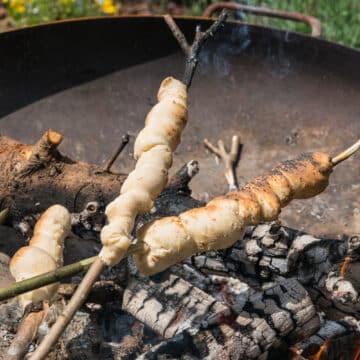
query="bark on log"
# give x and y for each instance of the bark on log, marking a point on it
(32, 178)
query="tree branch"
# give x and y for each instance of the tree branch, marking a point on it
(230, 159)
(192, 51)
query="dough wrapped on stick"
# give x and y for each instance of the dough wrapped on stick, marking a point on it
(44, 253)
(223, 220)
(153, 151)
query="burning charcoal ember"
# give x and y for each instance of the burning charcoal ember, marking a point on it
(334, 340)
(218, 342)
(170, 305)
(322, 265)
(260, 318)
(259, 326)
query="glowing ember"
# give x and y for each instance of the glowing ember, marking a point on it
(344, 266)
(321, 351)
(357, 351)
(295, 352)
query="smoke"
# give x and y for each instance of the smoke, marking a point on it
(218, 56)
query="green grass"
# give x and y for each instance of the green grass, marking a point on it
(340, 18)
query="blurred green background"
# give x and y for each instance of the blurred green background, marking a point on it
(340, 18)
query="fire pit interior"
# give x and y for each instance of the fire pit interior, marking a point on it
(287, 290)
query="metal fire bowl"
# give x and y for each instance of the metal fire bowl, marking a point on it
(283, 93)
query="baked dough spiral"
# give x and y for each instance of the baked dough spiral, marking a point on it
(223, 220)
(153, 151)
(44, 252)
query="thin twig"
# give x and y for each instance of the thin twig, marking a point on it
(124, 141)
(192, 52)
(346, 154)
(179, 36)
(230, 159)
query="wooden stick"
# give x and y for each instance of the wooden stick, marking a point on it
(80, 295)
(124, 141)
(346, 154)
(45, 279)
(51, 277)
(64, 319)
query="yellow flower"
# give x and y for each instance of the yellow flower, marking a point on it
(67, 2)
(18, 6)
(108, 7)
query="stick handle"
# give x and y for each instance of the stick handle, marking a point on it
(45, 279)
(64, 319)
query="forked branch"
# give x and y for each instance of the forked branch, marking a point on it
(230, 159)
(192, 51)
